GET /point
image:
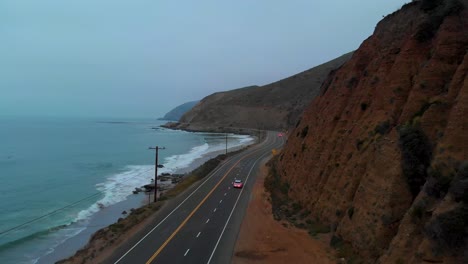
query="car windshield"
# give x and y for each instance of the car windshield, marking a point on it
(237, 181)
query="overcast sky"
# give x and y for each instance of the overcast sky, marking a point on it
(141, 58)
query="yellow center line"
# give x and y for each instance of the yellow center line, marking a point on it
(193, 212)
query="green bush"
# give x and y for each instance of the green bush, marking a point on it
(364, 106)
(359, 143)
(429, 5)
(418, 210)
(352, 83)
(438, 184)
(448, 230)
(437, 11)
(304, 131)
(315, 227)
(278, 190)
(351, 212)
(416, 156)
(284, 188)
(338, 212)
(382, 128)
(459, 186)
(336, 241)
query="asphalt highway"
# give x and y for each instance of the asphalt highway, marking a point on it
(201, 225)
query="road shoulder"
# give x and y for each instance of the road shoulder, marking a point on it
(264, 240)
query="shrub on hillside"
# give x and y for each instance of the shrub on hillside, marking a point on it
(351, 212)
(304, 131)
(448, 230)
(437, 11)
(364, 106)
(382, 128)
(416, 156)
(438, 183)
(429, 5)
(419, 209)
(459, 186)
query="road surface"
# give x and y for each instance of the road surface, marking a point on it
(201, 226)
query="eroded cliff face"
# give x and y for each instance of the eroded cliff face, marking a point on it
(381, 154)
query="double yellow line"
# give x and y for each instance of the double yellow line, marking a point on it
(194, 211)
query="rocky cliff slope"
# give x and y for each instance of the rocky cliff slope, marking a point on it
(380, 156)
(274, 106)
(176, 113)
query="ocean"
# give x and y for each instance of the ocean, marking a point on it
(55, 172)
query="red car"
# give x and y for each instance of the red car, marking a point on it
(238, 184)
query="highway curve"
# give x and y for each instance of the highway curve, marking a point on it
(201, 225)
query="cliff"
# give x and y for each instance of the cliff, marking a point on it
(176, 113)
(380, 156)
(275, 106)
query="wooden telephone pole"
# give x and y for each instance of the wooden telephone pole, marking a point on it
(156, 166)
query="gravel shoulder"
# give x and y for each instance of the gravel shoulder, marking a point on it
(265, 240)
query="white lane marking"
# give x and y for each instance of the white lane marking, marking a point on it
(198, 234)
(214, 210)
(220, 201)
(229, 188)
(207, 221)
(233, 208)
(186, 252)
(162, 221)
(225, 194)
(225, 164)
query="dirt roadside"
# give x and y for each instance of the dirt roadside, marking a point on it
(265, 240)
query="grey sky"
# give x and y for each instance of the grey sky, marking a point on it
(140, 58)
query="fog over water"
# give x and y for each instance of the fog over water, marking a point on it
(141, 58)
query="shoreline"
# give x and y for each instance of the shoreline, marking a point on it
(110, 215)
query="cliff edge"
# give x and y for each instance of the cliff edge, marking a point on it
(380, 156)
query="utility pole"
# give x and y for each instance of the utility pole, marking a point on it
(156, 166)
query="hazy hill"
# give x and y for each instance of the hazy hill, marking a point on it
(274, 106)
(176, 113)
(380, 158)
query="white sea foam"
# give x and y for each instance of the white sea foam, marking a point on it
(176, 162)
(119, 186)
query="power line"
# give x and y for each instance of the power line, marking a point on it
(61, 209)
(48, 214)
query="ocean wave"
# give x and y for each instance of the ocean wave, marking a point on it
(117, 187)
(42, 233)
(177, 162)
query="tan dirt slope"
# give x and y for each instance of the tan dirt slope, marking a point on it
(265, 240)
(274, 106)
(381, 155)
